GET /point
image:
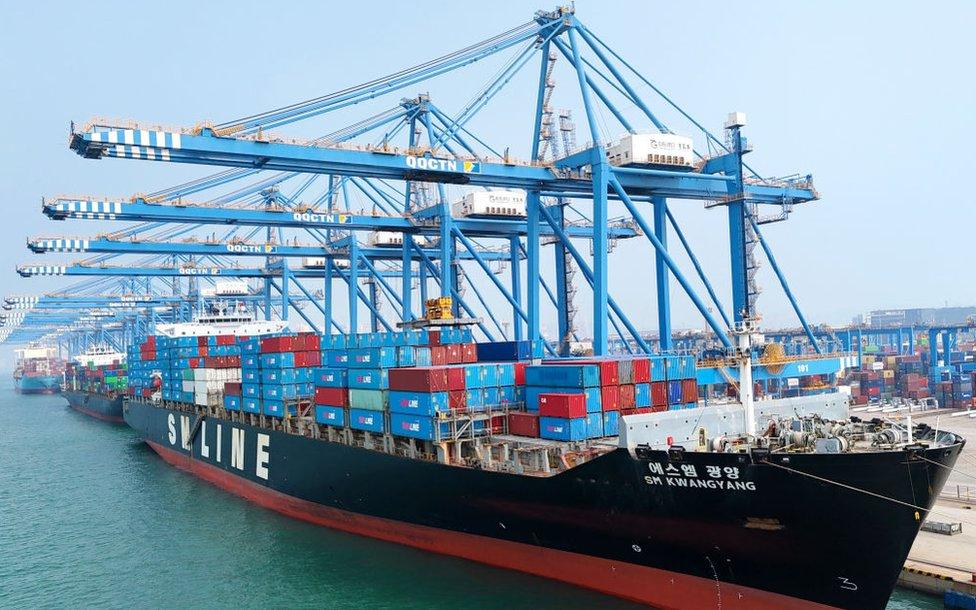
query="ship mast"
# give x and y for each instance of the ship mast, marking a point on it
(746, 334)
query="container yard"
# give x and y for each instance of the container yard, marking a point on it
(388, 316)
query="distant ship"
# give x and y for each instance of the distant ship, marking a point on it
(95, 383)
(38, 371)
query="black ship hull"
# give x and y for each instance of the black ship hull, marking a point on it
(99, 406)
(737, 534)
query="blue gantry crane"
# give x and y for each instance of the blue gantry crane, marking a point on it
(406, 167)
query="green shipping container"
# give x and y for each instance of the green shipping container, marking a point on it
(373, 400)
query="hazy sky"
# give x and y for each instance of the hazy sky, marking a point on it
(875, 99)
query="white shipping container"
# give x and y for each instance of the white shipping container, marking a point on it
(204, 399)
(187, 385)
(318, 262)
(230, 287)
(666, 149)
(507, 204)
(385, 238)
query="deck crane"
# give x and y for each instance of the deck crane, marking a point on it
(449, 158)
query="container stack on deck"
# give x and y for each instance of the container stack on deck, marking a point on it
(98, 378)
(276, 375)
(407, 383)
(430, 385)
(144, 362)
(609, 387)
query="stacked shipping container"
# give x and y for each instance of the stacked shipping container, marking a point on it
(414, 383)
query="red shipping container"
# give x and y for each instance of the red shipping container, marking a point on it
(469, 353)
(298, 343)
(202, 341)
(232, 388)
(458, 400)
(659, 393)
(636, 411)
(689, 390)
(610, 397)
(642, 370)
(567, 406)
(523, 424)
(233, 362)
(659, 408)
(497, 424)
(433, 338)
(150, 341)
(202, 350)
(307, 359)
(454, 353)
(419, 379)
(313, 342)
(225, 339)
(197, 363)
(333, 397)
(627, 397)
(271, 345)
(438, 356)
(520, 372)
(455, 378)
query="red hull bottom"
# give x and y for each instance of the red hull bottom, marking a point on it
(658, 588)
(96, 415)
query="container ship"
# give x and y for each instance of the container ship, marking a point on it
(94, 384)
(38, 371)
(606, 473)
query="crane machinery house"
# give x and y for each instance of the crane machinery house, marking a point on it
(662, 149)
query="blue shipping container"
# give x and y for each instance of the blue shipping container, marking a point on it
(251, 405)
(277, 408)
(506, 374)
(674, 392)
(335, 358)
(419, 403)
(421, 356)
(330, 377)
(611, 423)
(330, 416)
(417, 426)
(285, 391)
(473, 376)
(369, 379)
(277, 360)
(559, 429)
(503, 350)
(594, 425)
(277, 376)
(563, 375)
(361, 419)
(642, 395)
(232, 403)
(507, 395)
(491, 397)
(373, 357)
(489, 375)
